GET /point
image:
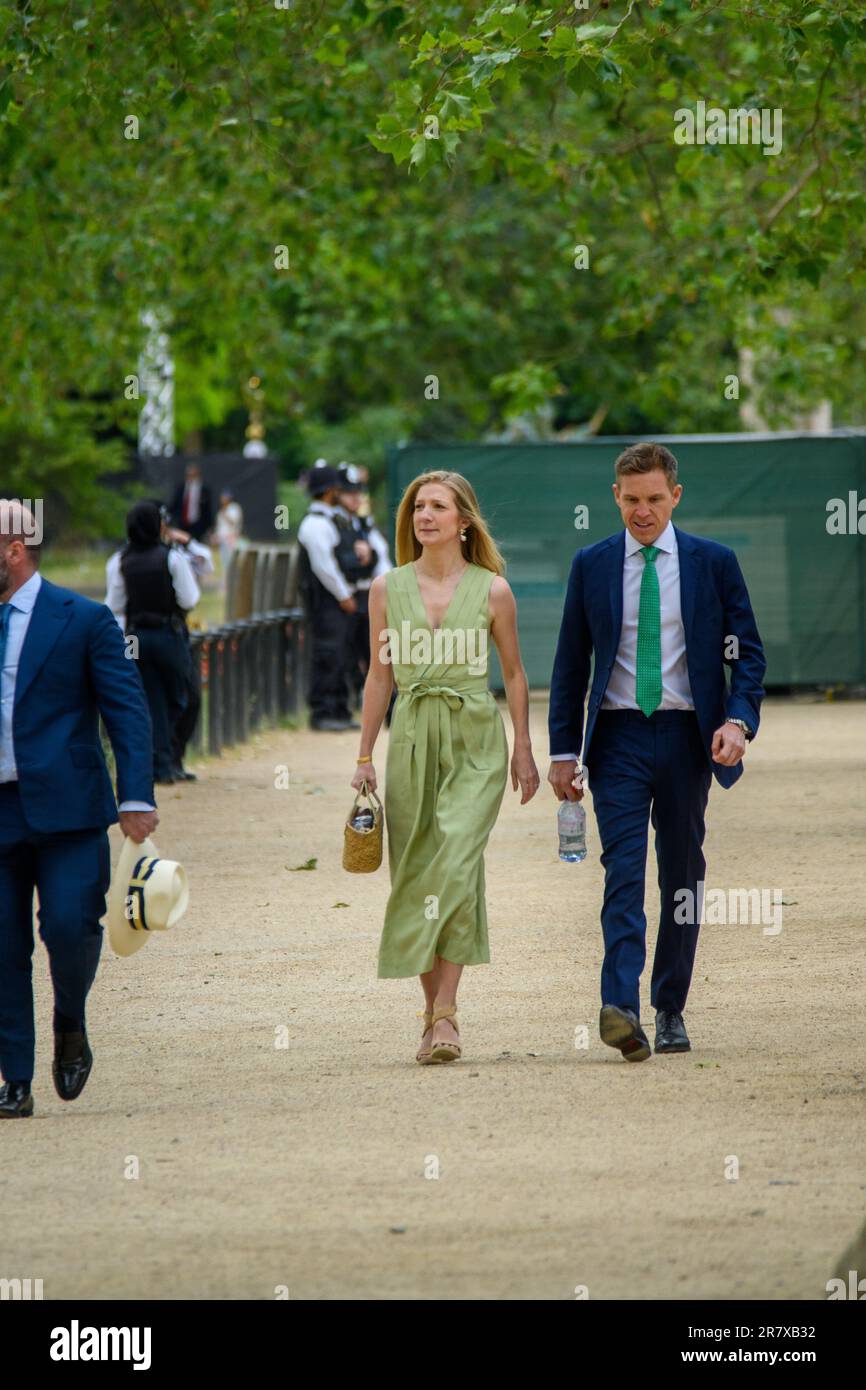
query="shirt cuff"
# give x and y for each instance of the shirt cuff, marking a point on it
(563, 757)
(135, 806)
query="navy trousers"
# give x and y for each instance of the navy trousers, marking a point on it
(71, 871)
(643, 769)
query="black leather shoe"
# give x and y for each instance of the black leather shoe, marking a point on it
(621, 1028)
(15, 1101)
(181, 774)
(73, 1061)
(671, 1035)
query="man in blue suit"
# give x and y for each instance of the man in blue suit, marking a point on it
(62, 664)
(662, 613)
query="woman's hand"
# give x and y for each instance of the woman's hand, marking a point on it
(525, 773)
(365, 772)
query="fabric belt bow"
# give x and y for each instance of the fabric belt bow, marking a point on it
(454, 697)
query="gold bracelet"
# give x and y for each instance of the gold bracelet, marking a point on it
(366, 760)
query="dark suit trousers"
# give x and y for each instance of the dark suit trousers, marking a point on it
(643, 769)
(71, 871)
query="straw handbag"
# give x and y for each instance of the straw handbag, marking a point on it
(362, 849)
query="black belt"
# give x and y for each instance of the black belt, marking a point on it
(148, 621)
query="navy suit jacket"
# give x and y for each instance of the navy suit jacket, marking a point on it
(715, 606)
(72, 669)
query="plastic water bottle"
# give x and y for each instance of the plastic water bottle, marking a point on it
(572, 832)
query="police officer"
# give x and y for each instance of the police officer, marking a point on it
(362, 556)
(150, 588)
(329, 600)
(201, 562)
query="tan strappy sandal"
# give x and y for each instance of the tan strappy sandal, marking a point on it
(422, 1056)
(446, 1051)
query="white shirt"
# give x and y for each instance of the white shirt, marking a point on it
(622, 685)
(229, 523)
(676, 690)
(191, 502)
(20, 611)
(318, 535)
(183, 582)
(380, 546)
(200, 557)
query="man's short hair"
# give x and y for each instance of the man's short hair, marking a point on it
(645, 458)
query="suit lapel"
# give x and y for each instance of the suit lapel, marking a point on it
(51, 612)
(614, 561)
(689, 563)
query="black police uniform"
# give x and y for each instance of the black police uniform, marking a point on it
(154, 617)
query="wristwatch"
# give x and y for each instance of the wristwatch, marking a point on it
(741, 724)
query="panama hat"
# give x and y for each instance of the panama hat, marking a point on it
(147, 894)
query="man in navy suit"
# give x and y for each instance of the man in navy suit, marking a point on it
(62, 664)
(662, 613)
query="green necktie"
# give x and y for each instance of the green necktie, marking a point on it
(648, 686)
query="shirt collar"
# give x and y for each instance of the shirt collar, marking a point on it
(24, 598)
(667, 541)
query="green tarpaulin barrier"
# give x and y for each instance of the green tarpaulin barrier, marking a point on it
(767, 496)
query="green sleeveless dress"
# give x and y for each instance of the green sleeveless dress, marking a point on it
(445, 777)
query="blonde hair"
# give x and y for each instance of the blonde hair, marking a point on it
(479, 547)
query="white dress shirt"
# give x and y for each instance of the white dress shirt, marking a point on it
(20, 611)
(183, 581)
(200, 557)
(676, 690)
(20, 608)
(191, 503)
(318, 535)
(622, 685)
(380, 546)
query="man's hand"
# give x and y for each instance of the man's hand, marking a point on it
(138, 824)
(561, 777)
(364, 551)
(729, 745)
(348, 605)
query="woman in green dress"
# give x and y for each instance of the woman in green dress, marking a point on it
(431, 620)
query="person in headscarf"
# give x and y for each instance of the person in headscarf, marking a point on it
(150, 589)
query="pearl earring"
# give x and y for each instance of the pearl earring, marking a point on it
(462, 535)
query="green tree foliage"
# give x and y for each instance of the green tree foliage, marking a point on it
(430, 170)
